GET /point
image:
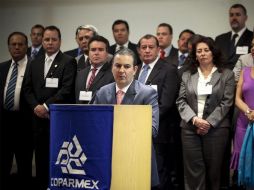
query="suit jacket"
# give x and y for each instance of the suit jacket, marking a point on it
(137, 94)
(217, 105)
(73, 53)
(63, 68)
(223, 42)
(243, 61)
(173, 58)
(164, 75)
(40, 52)
(103, 77)
(24, 108)
(131, 46)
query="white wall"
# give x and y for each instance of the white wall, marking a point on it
(207, 17)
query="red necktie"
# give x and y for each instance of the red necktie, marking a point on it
(162, 54)
(92, 77)
(119, 96)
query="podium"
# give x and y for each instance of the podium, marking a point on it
(100, 147)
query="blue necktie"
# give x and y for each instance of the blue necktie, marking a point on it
(181, 59)
(34, 53)
(142, 77)
(9, 99)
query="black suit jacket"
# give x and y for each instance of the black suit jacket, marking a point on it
(131, 46)
(172, 58)
(103, 77)
(73, 53)
(223, 42)
(64, 68)
(164, 75)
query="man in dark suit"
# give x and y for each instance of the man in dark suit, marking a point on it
(238, 41)
(163, 77)
(36, 48)
(121, 31)
(83, 34)
(133, 92)
(164, 35)
(50, 80)
(16, 129)
(97, 74)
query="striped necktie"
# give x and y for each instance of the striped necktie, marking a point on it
(142, 77)
(10, 93)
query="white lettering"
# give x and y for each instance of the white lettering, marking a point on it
(76, 183)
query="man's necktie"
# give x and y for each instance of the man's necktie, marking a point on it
(10, 93)
(162, 54)
(47, 66)
(92, 77)
(34, 53)
(144, 73)
(119, 96)
(181, 59)
(232, 43)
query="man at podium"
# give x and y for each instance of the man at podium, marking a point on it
(126, 90)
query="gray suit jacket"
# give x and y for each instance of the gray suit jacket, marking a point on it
(217, 105)
(137, 94)
(243, 61)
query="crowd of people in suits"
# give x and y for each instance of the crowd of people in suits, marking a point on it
(192, 90)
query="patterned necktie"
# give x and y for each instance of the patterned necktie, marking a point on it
(162, 54)
(142, 77)
(10, 93)
(181, 59)
(92, 77)
(34, 53)
(119, 96)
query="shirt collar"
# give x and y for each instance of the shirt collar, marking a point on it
(124, 45)
(36, 48)
(123, 89)
(52, 57)
(167, 50)
(240, 33)
(151, 65)
(23, 60)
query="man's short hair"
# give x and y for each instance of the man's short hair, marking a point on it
(170, 29)
(53, 28)
(127, 51)
(87, 27)
(148, 36)
(119, 21)
(238, 5)
(17, 33)
(99, 39)
(37, 26)
(186, 31)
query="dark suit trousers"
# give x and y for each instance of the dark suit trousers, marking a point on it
(41, 140)
(16, 140)
(202, 156)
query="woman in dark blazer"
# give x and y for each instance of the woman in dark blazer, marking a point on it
(205, 98)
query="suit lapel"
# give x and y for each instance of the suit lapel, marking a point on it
(194, 82)
(56, 63)
(215, 78)
(156, 71)
(130, 94)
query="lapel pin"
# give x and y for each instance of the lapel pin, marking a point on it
(55, 66)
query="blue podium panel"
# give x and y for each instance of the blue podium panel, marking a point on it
(80, 147)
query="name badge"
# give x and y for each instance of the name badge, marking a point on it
(205, 89)
(154, 87)
(242, 50)
(85, 95)
(52, 82)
